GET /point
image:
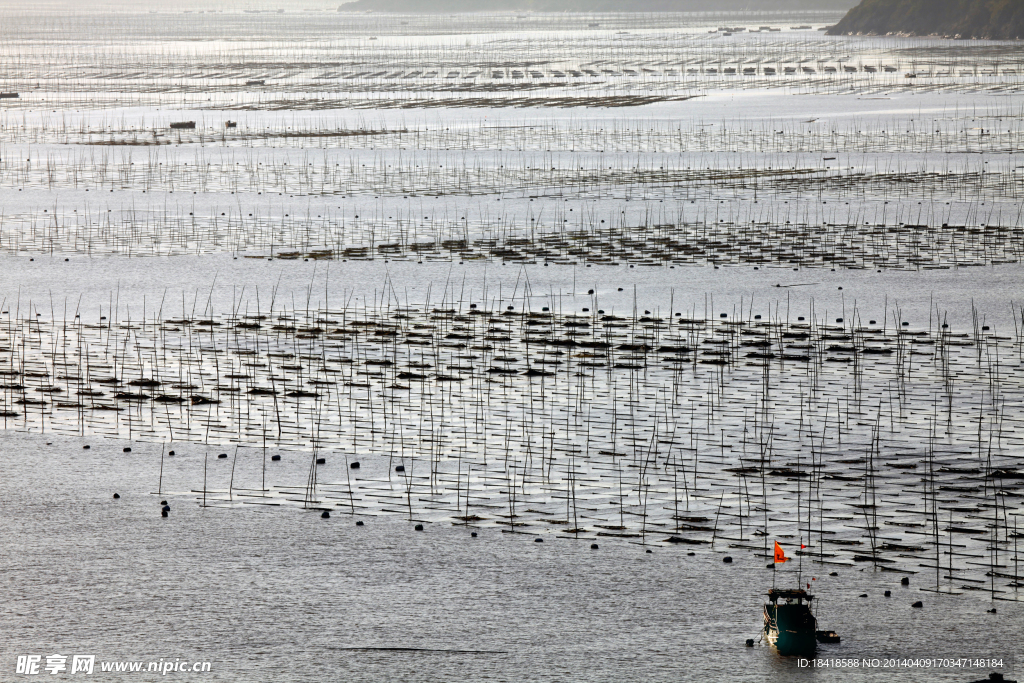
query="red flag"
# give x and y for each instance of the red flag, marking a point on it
(780, 555)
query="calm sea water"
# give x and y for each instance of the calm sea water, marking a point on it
(55, 288)
(276, 594)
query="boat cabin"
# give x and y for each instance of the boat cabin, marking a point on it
(791, 596)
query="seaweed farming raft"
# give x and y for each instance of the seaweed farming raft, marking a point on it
(869, 443)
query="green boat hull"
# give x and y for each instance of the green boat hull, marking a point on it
(791, 629)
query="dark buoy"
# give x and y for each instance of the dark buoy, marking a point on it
(418, 527)
(163, 513)
(86, 447)
(992, 611)
(222, 456)
(116, 496)
(750, 642)
(473, 534)
(321, 461)
(400, 468)
(168, 452)
(163, 502)
(538, 540)
(593, 546)
(888, 594)
(918, 604)
(905, 581)
(325, 515)
(727, 559)
(359, 523)
(275, 458)
(354, 466)
(837, 574)
(650, 551)
(126, 449)
(691, 554)
(863, 595)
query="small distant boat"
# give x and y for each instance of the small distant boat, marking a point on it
(8, 95)
(184, 124)
(789, 625)
(256, 82)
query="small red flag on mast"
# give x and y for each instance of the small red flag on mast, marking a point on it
(780, 555)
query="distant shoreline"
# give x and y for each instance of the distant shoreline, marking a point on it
(965, 19)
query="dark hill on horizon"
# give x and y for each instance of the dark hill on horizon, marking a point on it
(996, 19)
(446, 6)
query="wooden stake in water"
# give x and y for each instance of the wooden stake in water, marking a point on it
(160, 483)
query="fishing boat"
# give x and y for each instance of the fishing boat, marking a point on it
(788, 622)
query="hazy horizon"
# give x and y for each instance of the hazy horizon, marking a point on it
(424, 6)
